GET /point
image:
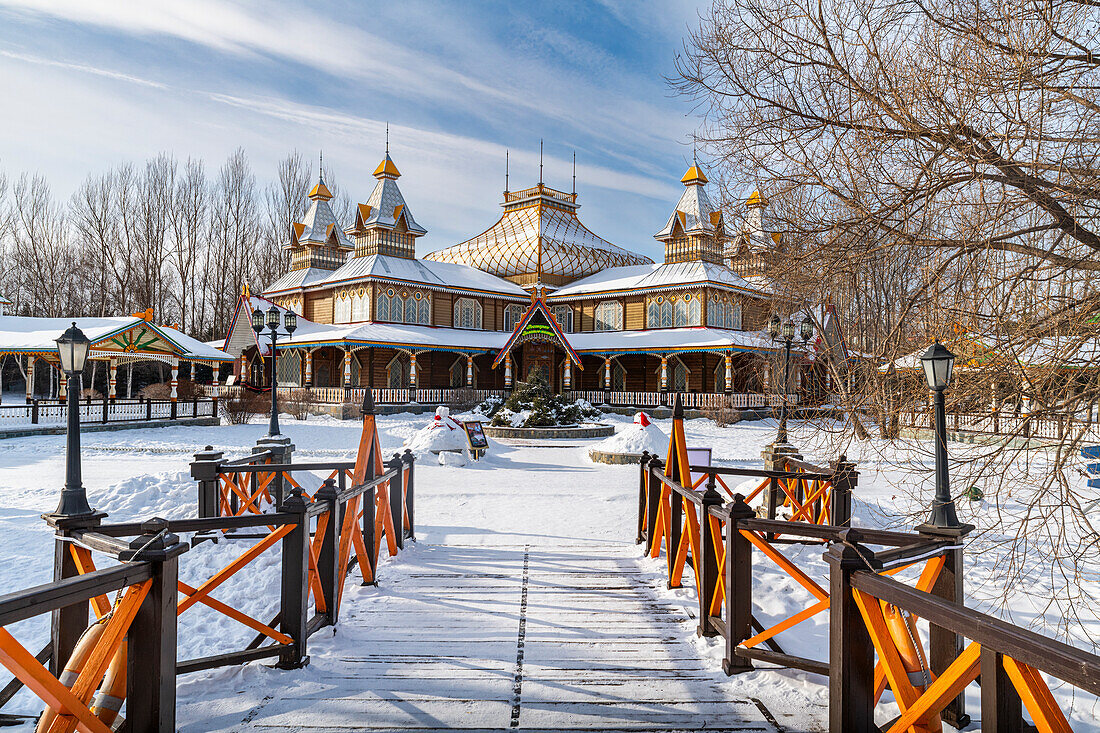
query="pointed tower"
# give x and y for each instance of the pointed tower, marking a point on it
(750, 252)
(384, 225)
(694, 231)
(318, 240)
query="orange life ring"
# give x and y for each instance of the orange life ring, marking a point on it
(113, 689)
(903, 630)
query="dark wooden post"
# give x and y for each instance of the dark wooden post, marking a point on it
(851, 654)
(844, 482)
(148, 410)
(204, 469)
(945, 645)
(105, 408)
(410, 502)
(653, 501)
(675, 531)
(771, 497)
(395, 464)
(172, 407)
(707, 585)
(642, 498)
(370, 503)
(1001, 708)
(328, 559)
(151, 640)
(294, 595)
(34, 411)
(66, 624)
(738, 587)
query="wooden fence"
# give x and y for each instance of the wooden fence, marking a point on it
(48, 412)
(321, 532)
(871, 613)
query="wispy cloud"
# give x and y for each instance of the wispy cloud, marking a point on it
(82, 68)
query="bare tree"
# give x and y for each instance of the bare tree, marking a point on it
(40, 251)
(285, 201)
(234, 233)
(189, 225)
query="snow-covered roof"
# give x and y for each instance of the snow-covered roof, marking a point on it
(445, 276)
(298, 279)
(319, 225)
(670, 339)
(658, 277)
(539, 235)
(386, 205)
(23, 334)
(409, 336)
(695, 212)
(4, 301)
(1062, 352)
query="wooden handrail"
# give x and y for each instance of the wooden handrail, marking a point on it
(1067, 663)
(40, 599)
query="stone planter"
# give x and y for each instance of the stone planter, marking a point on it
(614, 459)
(595, 430)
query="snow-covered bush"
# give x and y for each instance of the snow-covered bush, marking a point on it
(489, 406)
(533, 405)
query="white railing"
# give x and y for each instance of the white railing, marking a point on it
(691, 400)
(50, 412)
(1045, 426)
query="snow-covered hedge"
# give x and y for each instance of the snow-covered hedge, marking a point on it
(533, 405)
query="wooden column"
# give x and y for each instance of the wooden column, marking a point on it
(729, 373)
(664, 374)
(851, 653)
(112, 379)
(174, 383)
(1001, 708)
(607, 373)
(62, 386)
(309, 368)
(738, 582)
(347, 368)
(508, 371)
(470, 371)
(567, 375)
(30, 378)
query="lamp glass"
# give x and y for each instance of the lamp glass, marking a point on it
(72, 349)
(272, 317)
(788, 330)
(257, 320)
(806, 328)
(290, 320)
(938, 364)
(773, 326)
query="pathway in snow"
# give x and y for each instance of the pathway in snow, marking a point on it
(535, 637)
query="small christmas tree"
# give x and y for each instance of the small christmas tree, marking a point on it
(533, 405)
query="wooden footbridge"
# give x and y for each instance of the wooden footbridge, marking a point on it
(550, 637)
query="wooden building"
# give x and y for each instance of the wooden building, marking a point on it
(374, 315)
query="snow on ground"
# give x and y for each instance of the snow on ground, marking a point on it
(518, 494)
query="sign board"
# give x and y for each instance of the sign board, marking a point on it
(698, 457)
(475, 436)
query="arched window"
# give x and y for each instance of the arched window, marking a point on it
(512, 314)
(723, 312)
(341, 307)
(360, 306)
(679, 376)
(397, 372)
(735, 317)
(467, 313)
(382, 307)
(563, 314)
(720, 376)
(403, 307)
(458, 372)
(609, 316)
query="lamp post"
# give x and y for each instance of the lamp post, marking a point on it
(271, 321)
(785, 333)
(72, 348)
(938, 363)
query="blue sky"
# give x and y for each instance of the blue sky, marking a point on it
(88, 84)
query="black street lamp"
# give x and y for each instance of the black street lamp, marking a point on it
(271, 321)
(72, 348)
(938, 363)
(785, 333)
